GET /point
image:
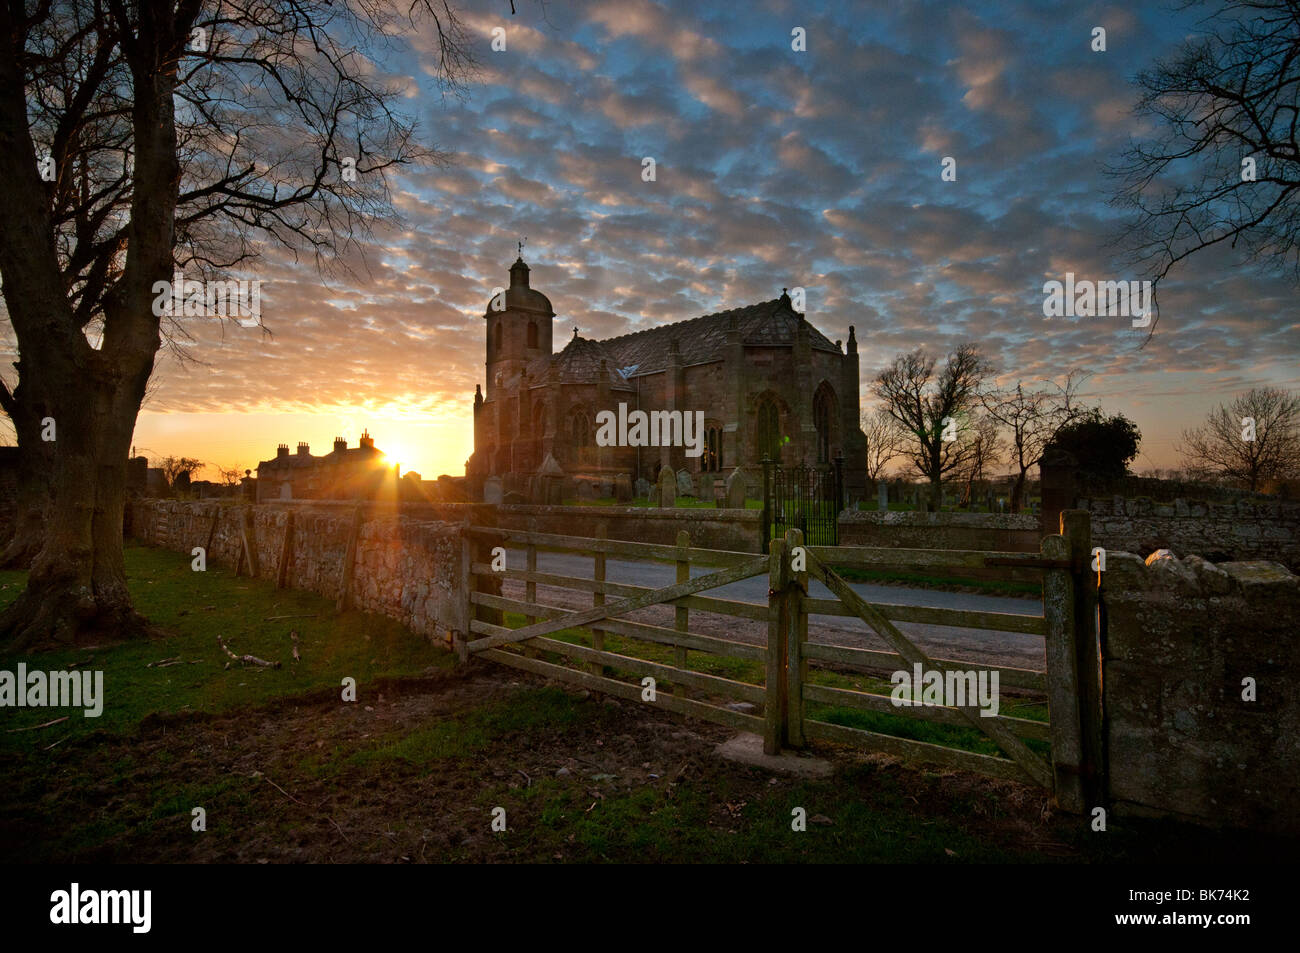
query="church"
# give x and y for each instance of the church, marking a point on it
(767, 383)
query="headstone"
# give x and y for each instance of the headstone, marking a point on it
(585, 491)
(706, 487)
(736, 490)
(685, 483)
(623, 488)
(605, 489)
(882, 495)
(642, 488)
(492, 490)
(667, 495)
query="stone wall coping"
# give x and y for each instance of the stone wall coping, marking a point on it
(689, 514)
(1011, 521)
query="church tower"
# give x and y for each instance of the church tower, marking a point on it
(518, 329)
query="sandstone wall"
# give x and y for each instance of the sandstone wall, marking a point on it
(1242, 530)
(735, 530)
(406, 568)
(1002, 532)
(1181, 635)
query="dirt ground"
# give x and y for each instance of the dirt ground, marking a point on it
(603, 780)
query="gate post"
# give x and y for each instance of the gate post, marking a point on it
(778, 623)
(1076, 527)
(1063, 701)
(797, 665)
(766, 521)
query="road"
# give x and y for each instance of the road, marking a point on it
(1012, 649)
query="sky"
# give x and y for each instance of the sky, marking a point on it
(774, 168)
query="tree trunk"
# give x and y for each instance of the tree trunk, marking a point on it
(76, 591)
(1018, 492)
(33, 476)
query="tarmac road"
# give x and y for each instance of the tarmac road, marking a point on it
(1010, 649)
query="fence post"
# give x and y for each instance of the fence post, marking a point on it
(248, 536)
(286, 553)
(598, 599)
(797, 665)
(349, 560)
(765, 541)
(530, 593)
(1076, 527)
(682, 615)
(778, 624)
(1063, 695)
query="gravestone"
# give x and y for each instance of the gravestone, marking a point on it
(736, 490)
(667, 495)
(623, 488)
(642, 488)
(706, 487)
(685, 484)
(492, 490)
(882, 495)
(586, 493)
(605, 489)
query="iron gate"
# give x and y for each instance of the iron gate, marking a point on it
(806, 498)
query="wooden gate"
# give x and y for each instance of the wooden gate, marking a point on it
(801, 681)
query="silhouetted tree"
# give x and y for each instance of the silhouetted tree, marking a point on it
(1102, 446)
(1228, 447)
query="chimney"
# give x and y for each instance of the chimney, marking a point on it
(282, 451)
(340, 444)
(303, 449)
(367, 441)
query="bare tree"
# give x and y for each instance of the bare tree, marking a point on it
(229, 476)
(1253, 438)
(1032, 417)
(884, 441)
(141, 138)
(934, 413)
(179, 470)
(1225, 164)
(985, 452)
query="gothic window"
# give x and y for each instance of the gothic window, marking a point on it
(769, 430)
(711, 461)
(496, 339)
(539, 421)
(532, 334)
(824, 421)
(580, 427)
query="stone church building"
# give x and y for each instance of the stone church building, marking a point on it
(769, 384)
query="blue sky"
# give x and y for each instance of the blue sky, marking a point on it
(775, 169)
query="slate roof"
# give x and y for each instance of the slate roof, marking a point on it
(579, 363)
(703, 339)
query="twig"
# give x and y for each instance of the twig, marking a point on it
(161, 662)
(277, 618)
(10, 731)
(304, 804)
(60, 741)
(526, 778)
(246, 659)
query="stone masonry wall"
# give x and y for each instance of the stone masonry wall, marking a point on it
(1244, 530)
(1181, 635)
(734, 530)
(406, 568)
(1002, 532)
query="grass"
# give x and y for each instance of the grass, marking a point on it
(752, 672)
(196, 607)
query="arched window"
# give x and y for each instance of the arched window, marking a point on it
(824, 421)
(539, 421)
(532, 334)
(496, 339)
(769, 430)
(580, 428)
(711, 461)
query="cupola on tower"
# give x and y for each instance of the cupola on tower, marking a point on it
(518, 325)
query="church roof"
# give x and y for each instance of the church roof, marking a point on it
(702, 339)
(579, 363)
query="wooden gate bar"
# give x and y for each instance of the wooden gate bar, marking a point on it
(751, 567)
(1033, 765)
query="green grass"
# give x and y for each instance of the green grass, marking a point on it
(752, 672)
(196, 607)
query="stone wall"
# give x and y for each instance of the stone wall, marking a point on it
(1181, 635)
(407, 568)
(734, 530)
(1242, 530)
(1002, 532)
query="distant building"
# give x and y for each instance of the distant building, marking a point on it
(356, 473)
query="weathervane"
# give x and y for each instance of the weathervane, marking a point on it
(521, 246)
